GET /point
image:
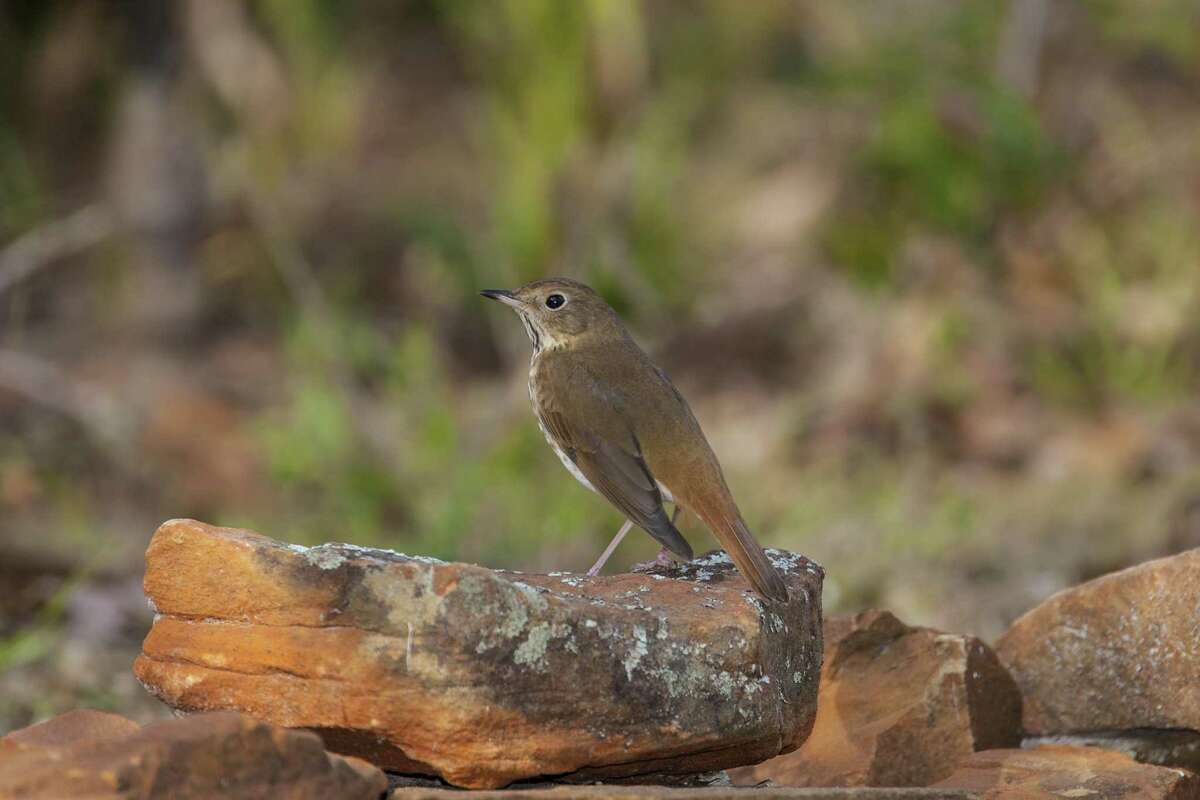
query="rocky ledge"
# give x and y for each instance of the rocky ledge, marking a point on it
(1052, 772)
(898, 706)
(482, 677)
(1119, 653)
(97, 755)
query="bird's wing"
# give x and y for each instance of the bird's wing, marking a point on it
(612, 462)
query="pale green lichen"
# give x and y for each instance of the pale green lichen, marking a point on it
(637, 652)
(532, 651)
(325, 558)
(408, 602)
(514, 621)
(516, 604)
(695, 676)
(513, 607)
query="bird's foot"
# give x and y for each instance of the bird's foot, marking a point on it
(661, 561)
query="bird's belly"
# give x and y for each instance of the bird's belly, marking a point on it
(563, 457)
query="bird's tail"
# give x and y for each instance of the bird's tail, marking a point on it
(747, 554)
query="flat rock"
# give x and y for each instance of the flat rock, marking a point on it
(483, 677)
(1164, 748)
(83, 724)
(1121, 651)
(1055, 772)
(93, 755)
(609, 792)
(898, 706)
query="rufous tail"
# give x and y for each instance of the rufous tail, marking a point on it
(746, 552)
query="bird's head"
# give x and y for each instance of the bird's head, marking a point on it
(559, 312)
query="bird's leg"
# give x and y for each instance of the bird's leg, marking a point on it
(608, 551)
(663, 559)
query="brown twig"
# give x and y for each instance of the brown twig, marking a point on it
(55, 240)
(50, 386)
(1018, 58)
(295, 271)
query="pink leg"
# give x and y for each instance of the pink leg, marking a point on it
(608, 551)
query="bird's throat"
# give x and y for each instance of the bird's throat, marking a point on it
(541, 338)
(534, 336)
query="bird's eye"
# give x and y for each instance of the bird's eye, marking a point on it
(555, 301)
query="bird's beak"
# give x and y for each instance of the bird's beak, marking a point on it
(503, 295)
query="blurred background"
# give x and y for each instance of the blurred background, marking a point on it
(928, 272)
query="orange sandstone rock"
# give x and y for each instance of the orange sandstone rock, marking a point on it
(1054, 772)
(80, 725)
(1119, 652)
(610, 792)
(100, 756)
(478, 676)
(898, 706)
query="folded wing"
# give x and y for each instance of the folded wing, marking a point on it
(613, 464)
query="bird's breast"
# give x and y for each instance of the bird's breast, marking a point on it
(534, 399)
(563, 457)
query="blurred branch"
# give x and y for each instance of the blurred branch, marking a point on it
(50, 386)
(1018, 58)
(239, 65)
(55, 240)
(293, 267)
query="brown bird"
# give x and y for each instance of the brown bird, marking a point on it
(622, 428)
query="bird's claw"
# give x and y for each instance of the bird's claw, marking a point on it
(661, 561)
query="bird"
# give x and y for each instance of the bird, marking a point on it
(622, 429)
